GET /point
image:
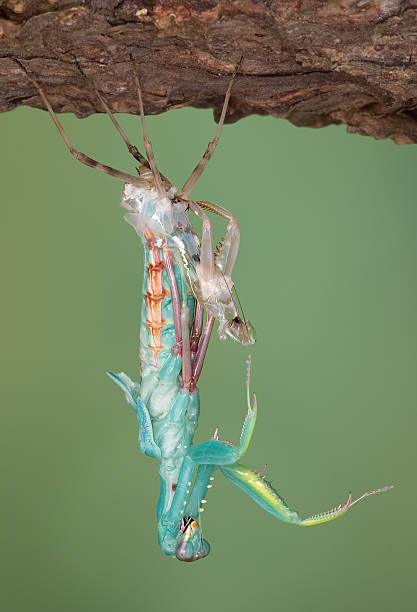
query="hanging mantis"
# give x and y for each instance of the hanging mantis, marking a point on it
(186, 288)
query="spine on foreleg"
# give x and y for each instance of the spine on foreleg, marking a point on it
(264, 494)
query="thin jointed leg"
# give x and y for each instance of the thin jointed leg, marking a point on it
(186, 351)
(148, 146)
(206, 266)
(202, 349)
(84, 159)
(229, 248)
(197, 328)
(133, 150)
(192, 180)
(213, 267)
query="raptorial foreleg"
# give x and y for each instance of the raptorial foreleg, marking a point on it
(179, 528)
(228, 249)
(205, 269)
(266, 496)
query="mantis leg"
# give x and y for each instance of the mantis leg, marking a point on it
(214, 274)
(206, 266)
(202, 349)
(219, 453)
(225, 260)
(266, 496)
(148, 146)
(212, 283)
(197, 328)
(186, 351)
(133, 150)
(180, 529)
(214, 454)
(199, 343)
(191, 545)
(262, 491)
(199, 169)
(229, 247)
(202, 482)
(181, 322)
(84, 159)
(180, 535)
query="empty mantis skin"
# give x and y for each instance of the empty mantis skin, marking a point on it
(182, 280)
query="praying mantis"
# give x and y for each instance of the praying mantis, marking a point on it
(186, 288)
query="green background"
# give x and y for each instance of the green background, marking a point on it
(327, 274)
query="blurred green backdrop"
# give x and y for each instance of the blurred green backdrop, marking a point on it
(326, 272)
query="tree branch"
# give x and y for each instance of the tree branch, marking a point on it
(313, 62)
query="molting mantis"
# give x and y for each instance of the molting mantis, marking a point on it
(186, 288)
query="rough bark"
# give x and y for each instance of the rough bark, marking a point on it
(314, 62)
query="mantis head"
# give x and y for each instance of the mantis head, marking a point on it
(239, 329)
(191, 546)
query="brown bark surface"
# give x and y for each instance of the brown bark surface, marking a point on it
(314, 62)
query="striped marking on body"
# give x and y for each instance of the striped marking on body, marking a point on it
(155, 296)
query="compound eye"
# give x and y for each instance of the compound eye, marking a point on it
(241, 330)
(186, 522)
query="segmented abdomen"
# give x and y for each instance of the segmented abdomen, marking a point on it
(157, 333)
(154, 296)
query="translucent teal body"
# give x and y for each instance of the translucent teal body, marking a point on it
(168, 409)
(167, 412)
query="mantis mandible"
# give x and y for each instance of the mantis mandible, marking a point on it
(186, 288)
